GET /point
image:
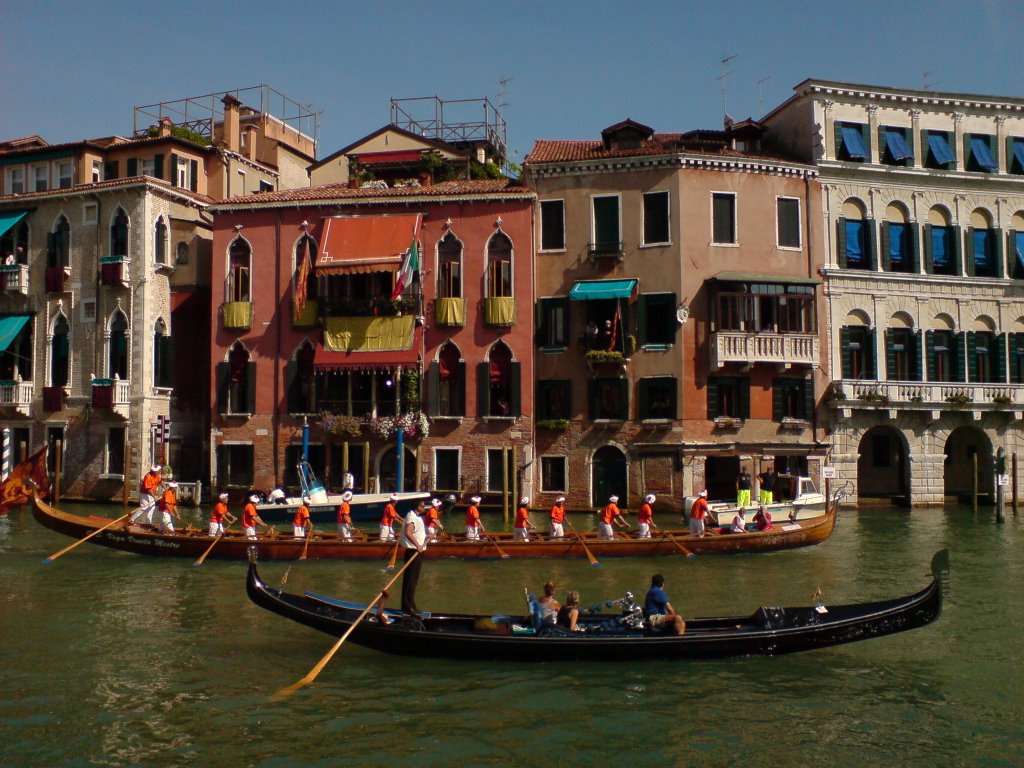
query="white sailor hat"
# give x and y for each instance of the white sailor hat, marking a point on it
(346, 496)
(435, 502)
(613, 499)
(560, 500)
(394, 497)
(223, 496)
(703, 494)
(649, 498)
(307, 499)
(254, 498)
(525, 500)
(155, 468)
(475, 499)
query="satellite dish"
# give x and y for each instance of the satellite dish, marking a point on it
(682, 313)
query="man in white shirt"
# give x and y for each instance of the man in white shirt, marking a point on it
(413, 540)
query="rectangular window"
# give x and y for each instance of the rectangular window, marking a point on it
(939, 155)
(65, 173)
(446, 469)
(89, 213)
(40, 178)
(148, 167)
(607, 237)
(15, 181)
(500, 476)
(728, 397)
(234, 465)
(609, 399)
(978, 149)
(163, 362)
(851, 142)
(1016, 156)
(856, 242)
(88, 310)
(97, 171)
(792, 398)
(656, 321)
(113, 461)
(554, 477)
(858, 352)
(266, 186)
(895, 146)
(788, 217)
(723, 218)
(554, 398)
(552, 225)
(656, 398)
(553, 322)
(902, 362)
(656, 218)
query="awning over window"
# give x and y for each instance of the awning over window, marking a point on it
(854, 143)
(375, 158)
(10, 327)
(586, 290)
(757, 277)
(333, 360)
(369, 334)
(897, 146)
(940, 149)
(9, 218)
(982, 154)
(356, 244)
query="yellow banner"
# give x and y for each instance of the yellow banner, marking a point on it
(368, 334)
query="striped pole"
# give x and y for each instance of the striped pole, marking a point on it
(5, 464)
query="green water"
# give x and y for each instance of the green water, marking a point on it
(111, 659)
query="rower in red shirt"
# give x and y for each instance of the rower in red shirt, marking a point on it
(610, 514)
(523, 524)
(344, 517)
(698, 512)
(645, 517)
(432, 519)
(251, 518)
(388, 519)
(168, 506)
(473, 524)
(557, 518)
(301, 524)
(219, 515)
(148, 487)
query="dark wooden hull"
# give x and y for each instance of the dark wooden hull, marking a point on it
(326, 546)
(768, 631)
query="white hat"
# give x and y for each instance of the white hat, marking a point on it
(560, 499)
(254, 498)
(155, 468)
(649, 498)
(613, 499)
(475, 499)
(172, 484)
(394, 497)
(703, 494)
(346, 496)
(525, 500)
(435, 502)
(307, 499)
(222, 496)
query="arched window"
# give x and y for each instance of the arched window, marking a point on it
(449, 268)
(163, 356)
(984, 246)
(447, 383)
(58, 244)
(236, 382)
(59, 349)
(499, 266)
(305, 283)
(160, 246)
(239, 270)
(301, 380)
(117, 347)
(941, 244)
(119, 234)
(498, 383)
(855, 237)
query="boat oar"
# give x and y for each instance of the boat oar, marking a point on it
(586, 549)
(311, 676)
(88, 536)
(212, 545)
(675, 541)
(305, 547)
(501, 552)
(394, 557)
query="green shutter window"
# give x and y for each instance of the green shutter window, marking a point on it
(915, 356)
(870, 251)
(997, 253)
(841, 241)
(999, 350)
(712, 390)
(193, 175)
(958, 356)
(250, 387)
(846, 356)
(973, 374)
(890, 355)
(969, 253)
(433, 385)
(929, 263)
(779, 387)
(930, 354)
(483, 390)
(1016, 344)
(222, 388)
(885, 240)
(743, 391)
(809, 400)
(915, 248)
(515, 389)
(1011, 253)
(459, 409)
(174, 169)
(958, 249)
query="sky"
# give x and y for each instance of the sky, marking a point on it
(75, 70)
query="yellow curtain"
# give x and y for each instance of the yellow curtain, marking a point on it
(307, 316)
(500, 310)
(450, 311)
(367, 334)
(238, 314)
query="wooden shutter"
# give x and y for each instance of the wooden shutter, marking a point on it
(929, 263)
(131, 167)
(250, 387)
(870, 251)
(460, 390)
(712, 389)
(872, 355)
(915, 248)
(515, 407)
(222, 388)
(999, 350)
(1016, 350)
(997, 253)
(972, 357)
(930, 354)
(885, 242)
(623, 385)
(193, 175)
(743, 392)
(969, 255)
(1011, 253)
(158, 166)
(957, 250)
(642, 305)
(809, 399)
(565, 385)
(846, 357)
(958, 356)
(915, 358)
(591, 399)
(779, 399)
(433, 385)
(841, 241)
(174, 169)
(890, 355)
(538, 321)
(483, 389)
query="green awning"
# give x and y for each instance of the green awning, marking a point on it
(10, 327)
(9, 218)
(586, 290)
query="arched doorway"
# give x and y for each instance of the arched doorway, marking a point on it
(882, 469)
(962, 445)
(386, 471)
(608, 476)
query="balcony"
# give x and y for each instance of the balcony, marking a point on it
(308, 316)
(933, 398)
(334, 306)
(450, 312)
(17, 397)
(53, 399)
(786, 349)
(601, 252)
(15, 278)
(55, 277)
(237, 315)
(114, 271)
(111, 395)
(500, 311)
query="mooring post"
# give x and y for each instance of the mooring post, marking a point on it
(1000, 484)
(974, 491)
(1013, 479)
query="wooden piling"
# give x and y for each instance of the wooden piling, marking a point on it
(974, 492)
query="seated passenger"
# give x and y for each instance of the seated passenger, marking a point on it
(739, 525)
(660, 613)
(569, 613)
(763, 518)
(549, 606)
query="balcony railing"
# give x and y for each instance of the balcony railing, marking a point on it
(605, 250)
(927, 396)
(237, 315)
(112, 394)
(17, 395)
(369, 307)
(783, 348)
(15, 278)
(500, 310)
(450, 311)
(114, 270)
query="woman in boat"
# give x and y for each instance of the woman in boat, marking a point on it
(739, 524)
(569, 613)
(549, 607)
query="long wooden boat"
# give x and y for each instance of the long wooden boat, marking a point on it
(145, 540)
(768, 631)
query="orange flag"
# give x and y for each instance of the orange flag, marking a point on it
(302, 278)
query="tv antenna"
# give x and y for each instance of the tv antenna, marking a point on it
(760, 94)
(926, 84)
(504, 81)
(724, 77)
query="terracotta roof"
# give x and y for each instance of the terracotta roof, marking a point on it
(341, 192)
(107, 185)
(710, 142)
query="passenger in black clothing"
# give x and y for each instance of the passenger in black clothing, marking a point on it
(569, 613)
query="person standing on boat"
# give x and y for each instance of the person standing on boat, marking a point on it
(609, 515)
(432, 520)
(473, 525)
(743, 488)
(659, 611)
(767, 480)
(646, 516)
(344, 517)
(148, 487)
(521, 531)
(168, 506)
(388, 519)
(558, 518)
(698, 512)
(251, 518)
(348, 480)
(277, 496)
(219, 515)
(301, 524)
(413, 541)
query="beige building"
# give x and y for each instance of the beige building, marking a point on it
(922, 200)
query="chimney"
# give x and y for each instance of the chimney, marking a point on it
(250, 141)
(231, 136)
(164, 128)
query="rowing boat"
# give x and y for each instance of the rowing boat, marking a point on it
(622, 636)
(145, 540)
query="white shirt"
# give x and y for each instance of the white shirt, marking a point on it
(347, 481)
(276, 494)
(738, 523)
(419, 534)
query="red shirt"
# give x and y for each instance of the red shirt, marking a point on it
(344, 513)
(168, 502)
(390, 515)
(249, 515)
(301, 516)
(522, 518)
(557, 514)
(149, 483)
(220, 509)
(431, 518)
(472, 516)
(610, 513)
(646, 514)
(699, 510)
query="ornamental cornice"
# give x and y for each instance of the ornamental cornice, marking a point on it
(680, 161)
(922, 99)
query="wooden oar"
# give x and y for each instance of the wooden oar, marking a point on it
(88, 536)
(311, 676)
(305, 547)
(501, 552)
(586, 549)
(671, 538)
(394, 557)
(212, 545)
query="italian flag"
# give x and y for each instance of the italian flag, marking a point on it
(409, 267)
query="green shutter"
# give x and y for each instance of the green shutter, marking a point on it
(884, 243)
(516, 389)
(712, 390)
(841, 241)
(222, 388)
(779, 399)
(915, 248)
(1016, 348)
(999, 350)
(193, 175)
(890, 355)
(837, 130)
(1011, 253)
(972, 358)
(869, 244)
(433, 385)
(131, 167)
(809, 399)
(459, 409)
(250, 387)
(969, 262)
(591, 399)
(915, 356)
(538, 320)
(997, 253)
(872, 362)
(846, 362)
(174, 169)
(642, 306)
(744, 397)
(483, 390)
(929, 263)
(958, 356)
(930, 354)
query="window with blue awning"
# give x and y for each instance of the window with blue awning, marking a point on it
(940, 253)
(897, 147)
(10, 327)
(941, 153)
(981, 154)
(897, 243)
(854, 242)
(853, 143)
(587, 290)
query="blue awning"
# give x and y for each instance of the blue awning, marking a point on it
(897, 146)
(1018, 152)
(10, 327)
(854, 143)
(586, 290)
(9, 218)
(940, 149)
(982, 154)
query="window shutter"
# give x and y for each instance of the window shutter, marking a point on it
(999, 350)
(1011, 253)
(538, 320)
(743, 387)
(841, 241)
(972, 357)
(131, 167)
(872, 354)
(779, 399)
(884, 244)
(174, 169)
(641, 319)
(222, 388)
(1016, 344)
(168, 360)
(110, 170)
(643, 398)
(915, 357)
(809, 402)
(291, 384)
(674, 399)
(483, 390)
(997, 253)
(626, 327)
(969, 253)
(566, 321)
(460, 390)
(433, 385)
(158, 166)
(846, 357)
(870, 251)
(712, 389)
(193, 175)
(591, 399)
(929, 264)
(250, 387)
(958, 356)
(890, 355)
(930, 354)
(566, 399)
(915, 248)
(516, 389)
(837, 130)
(623, 385)
(957, 243)
(51, 249)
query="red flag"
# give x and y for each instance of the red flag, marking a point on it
(302, 278)
(16, 489)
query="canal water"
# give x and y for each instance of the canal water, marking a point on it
(109, 659)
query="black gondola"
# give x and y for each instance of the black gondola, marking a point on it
(769, 631)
